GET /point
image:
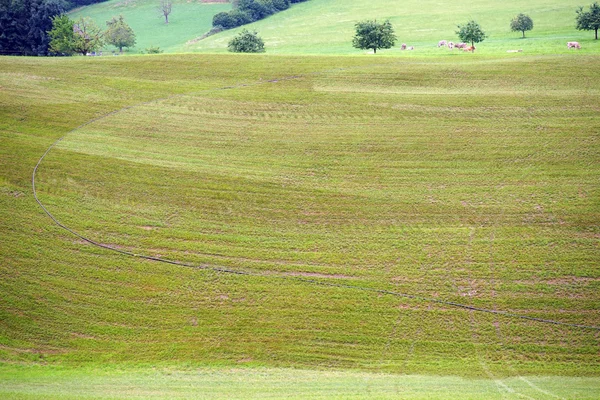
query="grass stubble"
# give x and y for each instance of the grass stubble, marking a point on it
(469, 181)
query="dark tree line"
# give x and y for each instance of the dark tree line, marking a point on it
(247, 11)
(80, 3)
(24, 25)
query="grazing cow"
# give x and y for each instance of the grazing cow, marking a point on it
(469, 48)
(442, 43)
(573, 45)
(460, 45)
(411, 48)
(450, 45)
(403, 47)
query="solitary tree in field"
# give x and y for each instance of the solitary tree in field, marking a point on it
(471, 32)
(165, 9)
(372, 35)
(589, 20)
(87, 36)
(521, 23)
(62, 35)
(119, 34)
(247, 42)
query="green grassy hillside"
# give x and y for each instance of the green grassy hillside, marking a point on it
(187, 21)
(458, 180)
(327, 26)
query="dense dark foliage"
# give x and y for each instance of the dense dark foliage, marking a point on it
(80, 3)
(24, 25)
(247, 11)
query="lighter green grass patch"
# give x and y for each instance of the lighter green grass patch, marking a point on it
(327, 26)
(261, 383)
(187, 21)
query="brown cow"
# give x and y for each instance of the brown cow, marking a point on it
(470, 48)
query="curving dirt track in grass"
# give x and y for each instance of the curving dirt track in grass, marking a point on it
(295, 278)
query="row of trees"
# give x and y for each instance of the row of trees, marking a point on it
(40, 27)
(247, 11)
(84, 36)
(371, 35)
(585, 21)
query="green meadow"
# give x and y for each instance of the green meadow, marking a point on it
(187, 21)
(327, 26)
(471, 180)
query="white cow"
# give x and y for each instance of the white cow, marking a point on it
(573, 45)
(442, 43)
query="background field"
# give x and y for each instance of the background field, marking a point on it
(327, 26)
(480, 189)
(188, 20)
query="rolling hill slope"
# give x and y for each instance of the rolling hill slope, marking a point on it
(421, 226)
(360, 200)
(327, 26)
(187, 20)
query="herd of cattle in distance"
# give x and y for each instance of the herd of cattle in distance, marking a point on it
(451, 45)
(466, 47)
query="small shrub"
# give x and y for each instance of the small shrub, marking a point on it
(246, 42)
(153, 50)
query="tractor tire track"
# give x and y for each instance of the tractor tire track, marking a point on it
(220, 269)
(502, 339)
(503, 388)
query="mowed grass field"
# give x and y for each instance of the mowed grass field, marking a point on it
(53, 383)
(471, 180)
